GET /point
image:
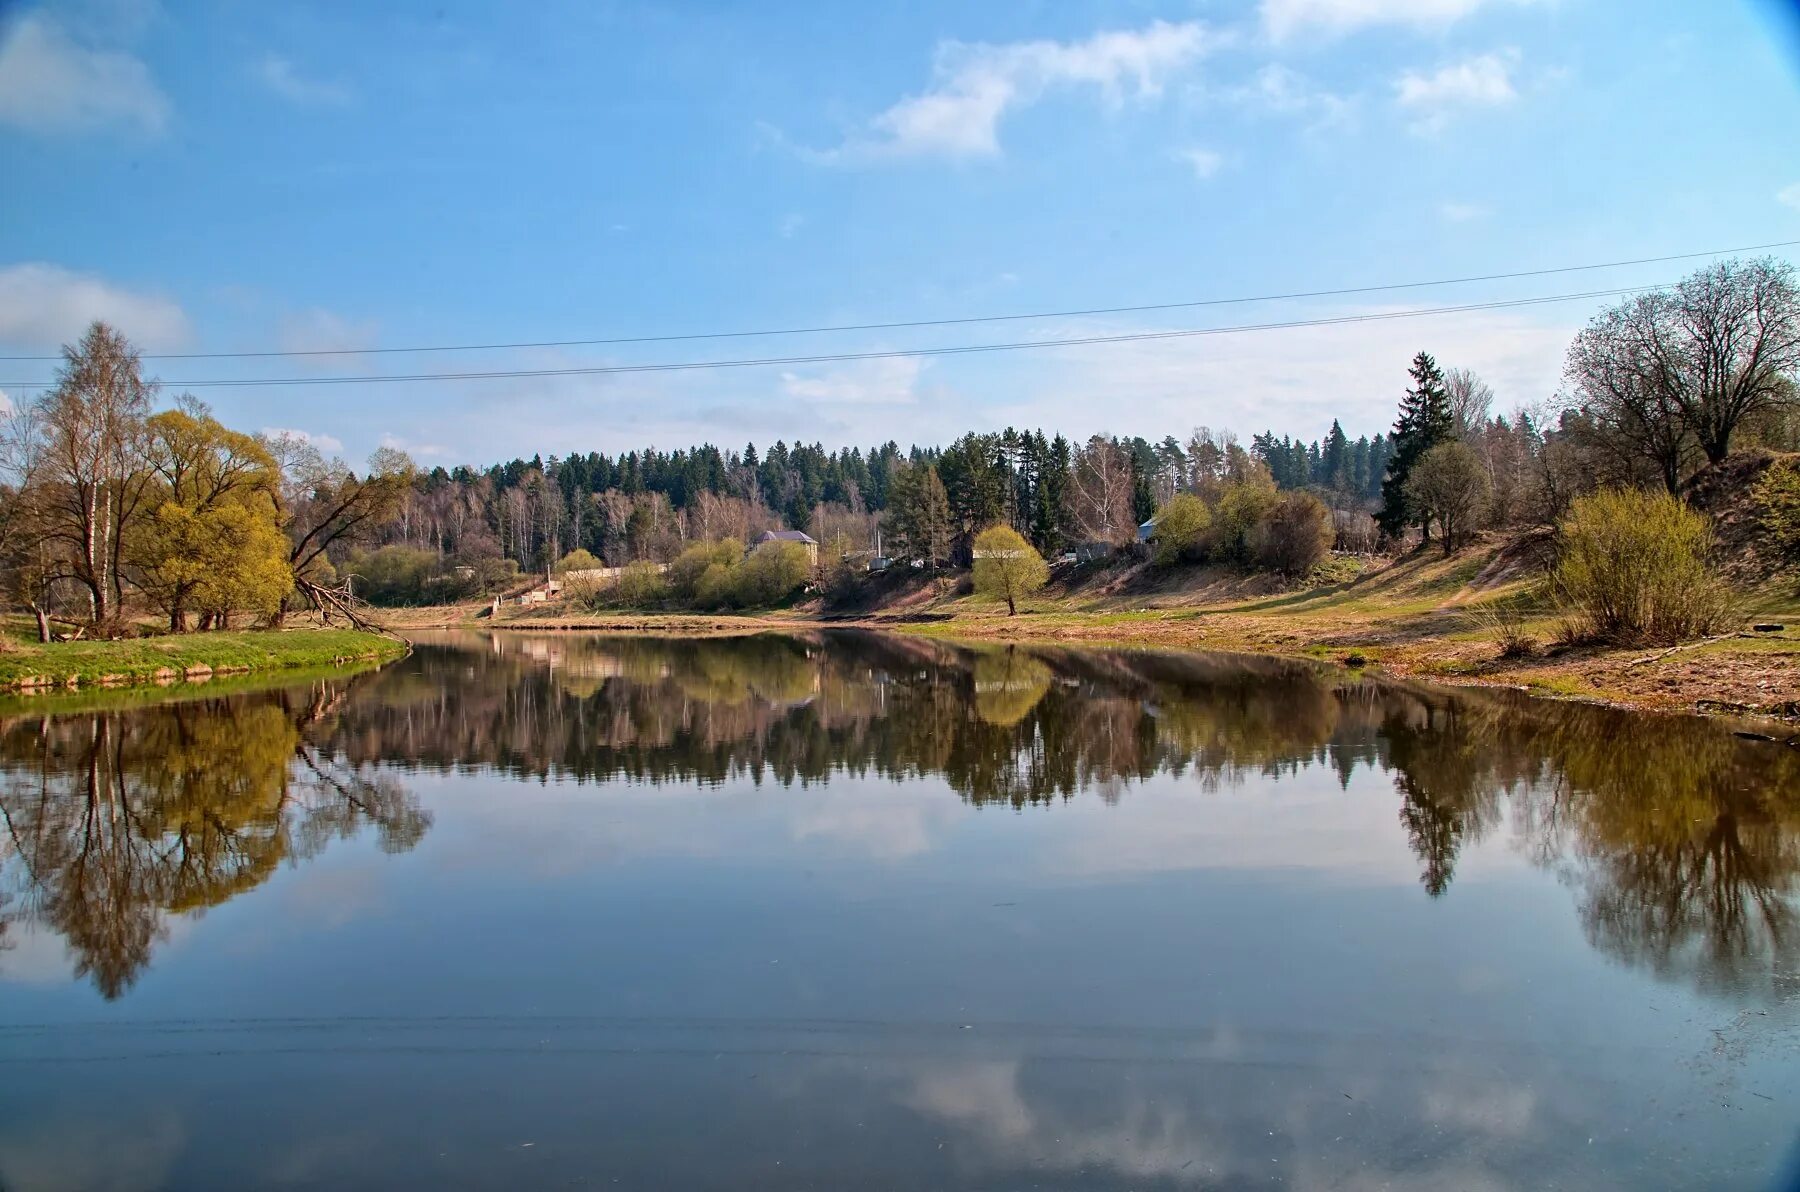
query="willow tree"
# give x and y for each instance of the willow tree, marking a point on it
(213, 541)
(1006, 567)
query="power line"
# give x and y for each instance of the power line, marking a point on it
(950, 322)
(845, 357)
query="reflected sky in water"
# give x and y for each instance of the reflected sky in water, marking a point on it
(851, 910)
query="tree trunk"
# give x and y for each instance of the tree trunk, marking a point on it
(43, 623)
(1012, 609)
(178, 618)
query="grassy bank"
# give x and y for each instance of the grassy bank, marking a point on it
(178, 657)
(1423, 616)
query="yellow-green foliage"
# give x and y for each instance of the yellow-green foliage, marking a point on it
(1241, 508)
(1633, 568)
(1006, 567)
(213, 542)
(1778, 507)
(578, 560)
(694, 563)
(770, 574)
(1181, 529)
(638, 585)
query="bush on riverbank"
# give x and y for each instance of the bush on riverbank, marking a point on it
(1634, 567)
(711, 576)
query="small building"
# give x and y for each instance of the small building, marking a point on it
(800, 536)
(1147, 531)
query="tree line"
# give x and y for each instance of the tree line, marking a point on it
(108, 498)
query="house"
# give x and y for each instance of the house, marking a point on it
(804, 539)
(1147, 531)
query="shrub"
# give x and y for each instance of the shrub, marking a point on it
(770, 574)
(694, 562)
(1181, 528)
(1241, 508)
(578, 560)
(1293, 535)
(1778, 507)
(1505, 623)
(640, 585)
(1633, 568)
(1007, 567)
(713, 588)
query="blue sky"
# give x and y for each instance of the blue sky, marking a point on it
(220, 177)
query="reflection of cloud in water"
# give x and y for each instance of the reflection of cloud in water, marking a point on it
(1323, 1123)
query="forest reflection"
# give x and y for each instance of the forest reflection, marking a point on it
(1679, 841)
(115, 821)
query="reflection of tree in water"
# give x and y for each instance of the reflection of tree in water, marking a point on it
(1684, 844)
(1680, 839)
(117, 819)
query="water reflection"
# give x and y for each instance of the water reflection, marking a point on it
(1678, 840)
(118, 820)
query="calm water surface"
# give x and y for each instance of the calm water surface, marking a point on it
(850, 911)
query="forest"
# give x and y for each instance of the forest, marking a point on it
(112, 506)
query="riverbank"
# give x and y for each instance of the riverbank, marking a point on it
(1423, 617)
(192, 657)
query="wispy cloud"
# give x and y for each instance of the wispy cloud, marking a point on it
(50, 83)
(422, 450)
(1282, 19)
(280, 76)
(329, 444)
(1204, 162)
(1278, 89)
(1790, 195)
(44, 306)
(872, 382)
(976, 86)
(1481, 81)
(790, 224)
(1462, 212)
(321, 330)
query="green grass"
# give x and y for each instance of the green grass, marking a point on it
(63, 701)
(64, 664)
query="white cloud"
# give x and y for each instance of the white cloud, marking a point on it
(328, 444)
(862, 383)
(1276, 88)
(1282, 19)
(321, 330)
(790, 224)
(1790, 195)
(1204, 162)
(976, 85)
(1481, 81)
(279, 75)
(45, 306)
(1294, 380)
(1462, 212)
(49, 83)
(422, 450)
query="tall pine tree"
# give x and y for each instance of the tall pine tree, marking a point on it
(1425, 421)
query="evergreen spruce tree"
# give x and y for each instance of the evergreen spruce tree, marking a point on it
(1425, 421)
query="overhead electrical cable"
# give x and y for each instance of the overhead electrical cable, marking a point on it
(1144, 308)
(846, 357)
